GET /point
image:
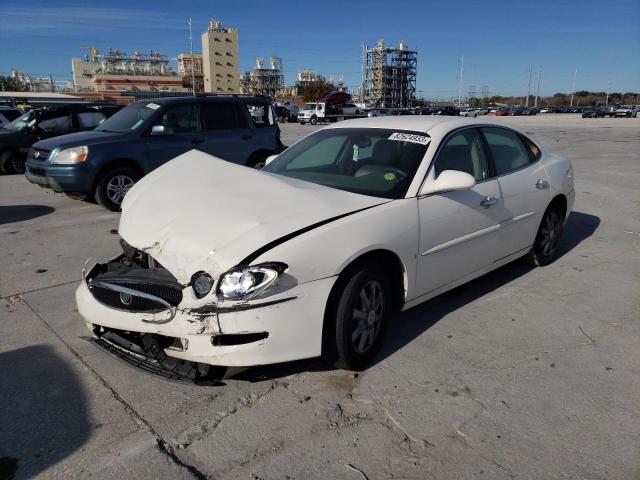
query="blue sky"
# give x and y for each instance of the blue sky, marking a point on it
(499, 39)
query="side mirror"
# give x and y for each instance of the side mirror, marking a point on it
(447, 181)
(158, 130)
(270, 159)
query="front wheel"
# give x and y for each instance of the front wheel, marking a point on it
(257, 161)
(12, 162)
(360, 310)
(114, 185)
(547, 242)
(313, 120)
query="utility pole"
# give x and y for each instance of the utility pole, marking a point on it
(460, 80)
(526, 105)
(573, 86)
(535, 104)
(193, 63)
(606, 101)
(53, 89)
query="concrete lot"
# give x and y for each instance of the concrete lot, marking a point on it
(523, 373)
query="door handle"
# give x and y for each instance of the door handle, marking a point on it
(542, 185)
(488, 201)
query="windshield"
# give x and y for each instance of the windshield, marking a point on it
(19, 123)
(129, 118)
(310, 106)
(370, 161)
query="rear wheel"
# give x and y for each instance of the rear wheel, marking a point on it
(359, 318)
(12, 162)
(114, 185)
(547, 242)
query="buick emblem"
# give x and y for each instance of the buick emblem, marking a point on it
(125, 298)
(36, 154)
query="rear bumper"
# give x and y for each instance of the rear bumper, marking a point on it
(286, 326)
(71, 178)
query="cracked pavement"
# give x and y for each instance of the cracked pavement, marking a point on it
(523, 373)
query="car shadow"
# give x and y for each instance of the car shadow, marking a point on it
(19, 213)
(44, 411)
(412, 323)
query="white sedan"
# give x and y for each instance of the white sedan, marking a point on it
(230, 266)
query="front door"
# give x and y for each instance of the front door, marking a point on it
(458, 229)
(182, 133)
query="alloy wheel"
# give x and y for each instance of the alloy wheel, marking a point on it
(367, 316)
(550, 232)
(117, 188)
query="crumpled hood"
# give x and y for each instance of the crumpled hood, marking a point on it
(199, 212)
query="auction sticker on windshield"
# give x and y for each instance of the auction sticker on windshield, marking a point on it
(152, 106)
(409, 137)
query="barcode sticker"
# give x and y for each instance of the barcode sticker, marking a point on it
(410, 137)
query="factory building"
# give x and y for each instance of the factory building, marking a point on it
(389, 76)
(116, 70)
(220, 59)
(263, 79)
(191, 71)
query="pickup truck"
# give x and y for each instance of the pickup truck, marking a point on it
(320, 112)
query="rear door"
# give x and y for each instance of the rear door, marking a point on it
(54, 124)
(524, 187)
(227, 131)
(459, 229)
(182, 133)
(89, 120)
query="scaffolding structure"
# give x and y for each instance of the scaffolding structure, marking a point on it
(389, 76)
(263, 80)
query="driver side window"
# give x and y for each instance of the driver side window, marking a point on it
(464, 152)
(180, 119)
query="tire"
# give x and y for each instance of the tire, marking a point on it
(313, 120)
(547, 242)
(355, 331)
(12, 162)
(113, 185)
(257, 160)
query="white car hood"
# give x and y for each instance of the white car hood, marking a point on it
(201, 213)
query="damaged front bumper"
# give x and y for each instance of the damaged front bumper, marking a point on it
(283, 326)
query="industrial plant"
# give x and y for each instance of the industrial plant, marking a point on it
(389, 76)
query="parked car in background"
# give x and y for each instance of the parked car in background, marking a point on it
(625, 111)
(482, 110)
(593, 113)
(318, 251)
(468, 112)
(9, 114)
(449, 110)
(502, 112)
(106, 162)
(287, 112)
(377, 112)
(39, 124)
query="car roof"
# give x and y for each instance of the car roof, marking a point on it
(418, 123)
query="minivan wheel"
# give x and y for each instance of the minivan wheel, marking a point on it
(114, 185)
(257, 161)
(361, 311)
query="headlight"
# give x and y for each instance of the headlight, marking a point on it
(70, 155)
(243, 283)
(202, 283)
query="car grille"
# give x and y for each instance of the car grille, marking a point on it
(170, 294)
(39, 154)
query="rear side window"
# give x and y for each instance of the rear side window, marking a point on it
(56, 124)
(534, 151)
(260, 114)
(221, 116)
(507, 150)
(90, 119)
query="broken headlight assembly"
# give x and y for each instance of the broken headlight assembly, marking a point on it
(245, 282)
(202, 283)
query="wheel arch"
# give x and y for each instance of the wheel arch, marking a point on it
(559, 202)
(389, 262)
(115, 163)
